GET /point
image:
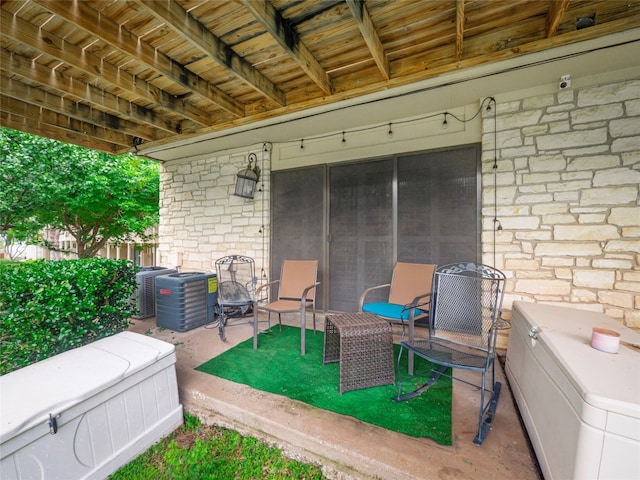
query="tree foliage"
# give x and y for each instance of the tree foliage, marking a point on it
(94, 196)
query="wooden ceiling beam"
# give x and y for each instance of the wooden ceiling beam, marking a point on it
(194, 32)
(21, 31)
(49, 117)
(13, 64)
(86, 18)
(370, 35)
(82, 112)
(31, 125)
(286, 36)
(554, 16)
(459, 28)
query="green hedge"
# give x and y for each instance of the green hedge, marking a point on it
(47, 308)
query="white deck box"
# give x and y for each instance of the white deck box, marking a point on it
(86, 412)
(580, 406)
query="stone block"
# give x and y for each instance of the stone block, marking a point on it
(601, 279)
(618, 299)
(523, 151)
(632, 318)
(536, 235)
(609, 196)
(557, 262)
(561, 141)
(625, 216)
(520, 118)
(597, 113)
(543, 287)
(569, 249)
(523, 199)
(624, 127)
(547, 163)
(591, 163)
(628, 286)
(549, 208)
(609, 93)
(554, 117)
(563, 273)
(540, 178)
(573, 186)
(625, 144)
(591, 150)
(521, 264)
(591, 218)
(583, 296)
(632, 245)
(585, 232)
(538, 102)
(556, 219)
(616, 176)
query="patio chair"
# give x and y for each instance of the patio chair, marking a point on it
(409, 298)
(465, 308)
(236, 291)
(296, 292)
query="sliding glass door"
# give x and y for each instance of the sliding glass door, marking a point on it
(358, 219)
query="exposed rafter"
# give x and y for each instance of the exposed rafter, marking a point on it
(368, 30)
(40, 98)
(556, 12)
(86, 18)
(96, 67)
(288, 39)
(198, 36)
(13, 64)
(459, 28)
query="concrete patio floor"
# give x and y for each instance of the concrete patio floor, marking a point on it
(346, 448)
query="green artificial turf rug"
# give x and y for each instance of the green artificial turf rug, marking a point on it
(277, 367)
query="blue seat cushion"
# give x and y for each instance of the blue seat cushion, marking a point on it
(390, 310)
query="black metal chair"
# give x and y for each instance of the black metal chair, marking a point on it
(463, 324)
(236, 291)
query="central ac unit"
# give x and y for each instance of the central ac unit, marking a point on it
(146, 294)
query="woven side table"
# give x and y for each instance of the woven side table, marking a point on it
(363, 345)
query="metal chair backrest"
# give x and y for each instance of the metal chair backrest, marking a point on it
(466, 304)
(236, 280)
(295, 276)
(410, 280)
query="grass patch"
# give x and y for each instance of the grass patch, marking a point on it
(196, 451)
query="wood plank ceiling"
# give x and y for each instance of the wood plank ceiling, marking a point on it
(115, 74)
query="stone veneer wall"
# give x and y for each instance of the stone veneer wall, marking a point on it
(568, 198)
(200, 218)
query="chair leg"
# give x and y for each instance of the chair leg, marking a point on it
(485, 426)
(255, 325)
(221, 323)
(436, 374)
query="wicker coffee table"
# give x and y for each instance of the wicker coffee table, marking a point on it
(363, 345)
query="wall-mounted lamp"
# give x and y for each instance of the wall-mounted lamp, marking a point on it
(248, 178)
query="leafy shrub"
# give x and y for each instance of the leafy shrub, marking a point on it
(47, 308)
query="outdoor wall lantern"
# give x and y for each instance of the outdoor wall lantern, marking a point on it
(248, 178)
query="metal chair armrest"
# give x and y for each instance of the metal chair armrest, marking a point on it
(366, 292)
(306, 291)
(262, 287)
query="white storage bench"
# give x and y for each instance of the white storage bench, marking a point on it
(580, 406)
(86, 412)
